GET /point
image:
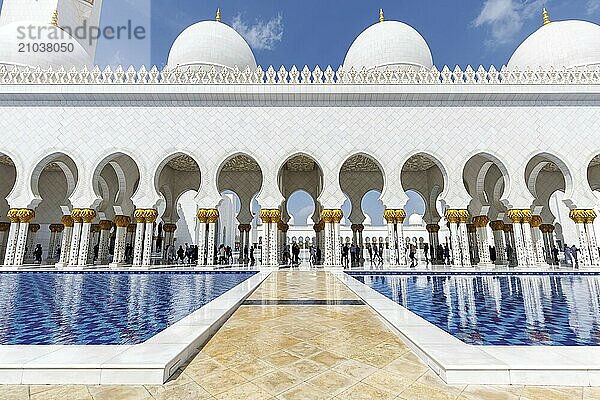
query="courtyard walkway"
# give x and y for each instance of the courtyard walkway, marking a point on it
(302, 335)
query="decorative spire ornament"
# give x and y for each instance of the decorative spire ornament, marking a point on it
(54, 20)
(546, 16)
(381, 18)
(218, 15)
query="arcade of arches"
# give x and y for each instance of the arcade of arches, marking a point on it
(113, 230)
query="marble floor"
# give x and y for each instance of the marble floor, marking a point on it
(302, 335)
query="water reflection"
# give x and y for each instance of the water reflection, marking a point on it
(102, 308)
(502, 310)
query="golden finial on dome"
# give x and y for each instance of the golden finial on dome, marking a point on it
(54, 20)
(381, 18)
(546, 16)
(218, 15)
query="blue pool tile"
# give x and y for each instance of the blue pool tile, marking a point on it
(500, 309)
(102, 308)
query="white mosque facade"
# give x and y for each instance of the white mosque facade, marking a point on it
(93, 162)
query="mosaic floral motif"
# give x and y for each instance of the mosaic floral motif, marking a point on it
(102, 308)
(551, 310)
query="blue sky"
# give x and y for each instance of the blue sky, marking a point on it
(320, 32)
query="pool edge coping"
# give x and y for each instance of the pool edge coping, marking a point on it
(448, 356)
(150, 362)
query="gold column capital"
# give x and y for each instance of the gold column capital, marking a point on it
(13, 215)
(497, 225)
(202, 215)
(56, 227)
(88, 215)
(212, 215)
(536, 221)
(95, 228)
(337, 215)
(151, 215)
(122, 221)
(327, 216)
(400, 216)
(169, 228)
(4, 226)
(390, 216)
(34, 228)
(591, 216)
(275, 215)
(547, 228)
(67, 221)
(455, 216)
(26, 215)
(519, 216)
(131, 228)
(432, 228)
(140, 215)
(578, 216)
(105, 225)
(471, 228)
(481, 221)
(507, 228)
(76, 215)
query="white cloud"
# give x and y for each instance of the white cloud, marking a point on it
(505, 18)
(593, 6)
(262, 35)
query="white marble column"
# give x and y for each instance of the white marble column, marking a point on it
(538, 240)
(31, 243)
(87, 215)
(465, 249)
(592, 241)
(516, 216)
(103, 249)
(13, 233)
(25, 217)
(138, 247)
(434, 241)
(580, 218)
(337, 238)
(454, 218)
(498, 232)
(483, 244)
(400, 239)
(242, 228)
(265, 217)
(391, 225)
(273, 242)
(328, 251)
(75, 237)
(65, 246)
(122, 223)
(151, 216)
(202, 216)
(212, 219)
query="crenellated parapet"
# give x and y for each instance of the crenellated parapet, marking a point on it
(328, 76)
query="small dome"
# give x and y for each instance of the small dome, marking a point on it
(389, 44)
(561, 44)
(415, 220)
(208, 44)
(11, 42)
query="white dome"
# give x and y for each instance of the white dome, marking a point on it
(389, 44)
(415, 220)
(11, 42)
(561, 44)
(210, 43)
